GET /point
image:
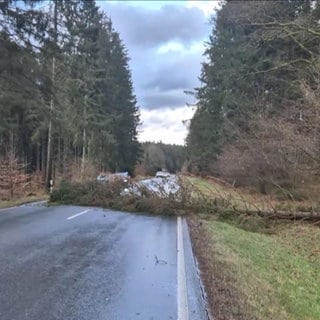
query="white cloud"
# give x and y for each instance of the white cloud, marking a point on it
(207, 7)
(173, 46)
(170, 46)
(165, 125)
(151, 4)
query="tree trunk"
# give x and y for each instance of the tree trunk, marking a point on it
(284, 215)
(43, 159)
(84, 137)
(64, 157)
(49, 146)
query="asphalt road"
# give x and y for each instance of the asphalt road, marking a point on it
(77, 263)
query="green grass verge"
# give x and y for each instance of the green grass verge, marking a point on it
(277, 276)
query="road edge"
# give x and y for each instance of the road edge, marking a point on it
(182, 295)
(197, 298)
(23, 204)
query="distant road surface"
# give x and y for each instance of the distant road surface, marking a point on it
(78, 263)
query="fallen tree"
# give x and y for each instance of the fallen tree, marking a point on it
(188, 198)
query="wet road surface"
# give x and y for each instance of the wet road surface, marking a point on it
(77, 263)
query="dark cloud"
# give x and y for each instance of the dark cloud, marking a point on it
(161, 76)
(159, 121)
(163, 83)
(176, 71)
(169, 99)
(141, 26)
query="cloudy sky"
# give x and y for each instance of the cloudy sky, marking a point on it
(165, 41)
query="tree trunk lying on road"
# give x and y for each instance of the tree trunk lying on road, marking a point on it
(286, 215)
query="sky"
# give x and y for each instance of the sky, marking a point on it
(165, 42)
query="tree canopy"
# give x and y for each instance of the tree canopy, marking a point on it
(257, 116)
(66, 94)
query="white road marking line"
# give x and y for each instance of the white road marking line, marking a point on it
(78, 214)
(183, 312)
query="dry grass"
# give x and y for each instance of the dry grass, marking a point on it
(237, 198)
(247, 200)
(30, 190)
(23, 199)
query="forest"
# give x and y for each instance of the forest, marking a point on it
(68, 109)
(66, 94)
(257, 121)
(158, 156)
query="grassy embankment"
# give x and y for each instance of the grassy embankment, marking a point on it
(254, 269)
(245, 199)
(22, 200)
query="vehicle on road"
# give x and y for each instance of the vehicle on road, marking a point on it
(163, 174)
(123, 176)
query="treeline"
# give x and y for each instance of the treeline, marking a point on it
(258, 114)
(66, 94)
(159, 156)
